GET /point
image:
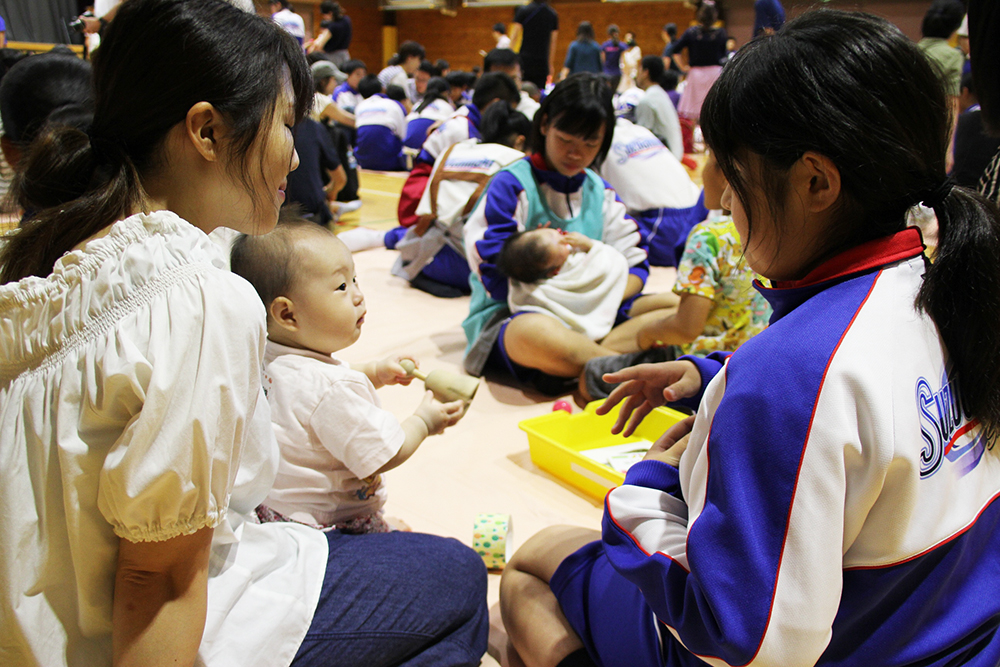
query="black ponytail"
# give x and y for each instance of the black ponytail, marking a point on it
(79, 190)
(813, 87)
(500, 125)
(961, 293)
(157, 60)
(437, 89)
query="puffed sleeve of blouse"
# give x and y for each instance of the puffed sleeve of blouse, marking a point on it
(191, 360)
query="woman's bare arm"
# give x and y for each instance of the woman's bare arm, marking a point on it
(160, 600)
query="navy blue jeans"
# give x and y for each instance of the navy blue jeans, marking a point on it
(398, 599)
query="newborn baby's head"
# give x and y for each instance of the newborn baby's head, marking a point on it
(535, 255)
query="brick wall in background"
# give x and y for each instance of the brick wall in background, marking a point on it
(458, 39)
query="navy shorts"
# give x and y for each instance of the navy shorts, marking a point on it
(607, 611)
(500, 362)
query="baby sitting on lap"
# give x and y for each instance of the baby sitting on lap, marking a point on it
(335, 438)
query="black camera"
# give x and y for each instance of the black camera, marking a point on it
(77, 23)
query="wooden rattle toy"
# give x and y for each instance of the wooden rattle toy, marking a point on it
(445, 386)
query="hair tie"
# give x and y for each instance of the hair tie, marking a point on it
(934, 198)
(104, 149)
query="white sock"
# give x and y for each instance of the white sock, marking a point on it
(362, 238)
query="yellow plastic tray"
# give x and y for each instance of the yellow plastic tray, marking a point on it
(557, 438)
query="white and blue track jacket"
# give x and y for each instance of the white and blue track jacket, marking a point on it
(835, 505)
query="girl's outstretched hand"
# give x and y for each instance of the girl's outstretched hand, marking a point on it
(669, 447)
(648, 386)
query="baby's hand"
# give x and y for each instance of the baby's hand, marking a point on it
(578, 241)
(388, 371)
(437, 415)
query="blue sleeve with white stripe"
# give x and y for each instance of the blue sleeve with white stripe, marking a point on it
(499, 209)
(724, 581)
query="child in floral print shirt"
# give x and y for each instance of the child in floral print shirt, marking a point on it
(719, 308)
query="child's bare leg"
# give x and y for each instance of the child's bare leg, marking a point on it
(666, 301)
(535, 623)
(542, 342)
(625, 337)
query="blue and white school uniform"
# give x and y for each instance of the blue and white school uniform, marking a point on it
(626, 101)
(418, 123)
(381, 125)
(527, 106)
(836, 505)
(525, 196)
(463, 124)
(292, 23)
(458, 177)
(656, 189)
(347, 98)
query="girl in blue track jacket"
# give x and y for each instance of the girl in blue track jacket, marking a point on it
(836, 500)
(551, 187)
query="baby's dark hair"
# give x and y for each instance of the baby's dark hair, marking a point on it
(579, 105)
(811, 88)
(524, 257)
(268, 261)
(369, 85)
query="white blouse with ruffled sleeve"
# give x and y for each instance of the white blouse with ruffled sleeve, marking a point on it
(131, 408)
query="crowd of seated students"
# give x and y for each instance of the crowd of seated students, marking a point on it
(149, 512)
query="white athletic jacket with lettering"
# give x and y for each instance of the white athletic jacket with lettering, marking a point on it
(835, 506)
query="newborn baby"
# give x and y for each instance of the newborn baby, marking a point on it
(565, 275)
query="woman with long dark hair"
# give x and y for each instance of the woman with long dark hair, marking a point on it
(136, 435)
(584, 53)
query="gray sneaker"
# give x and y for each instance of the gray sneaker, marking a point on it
(594, 370)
